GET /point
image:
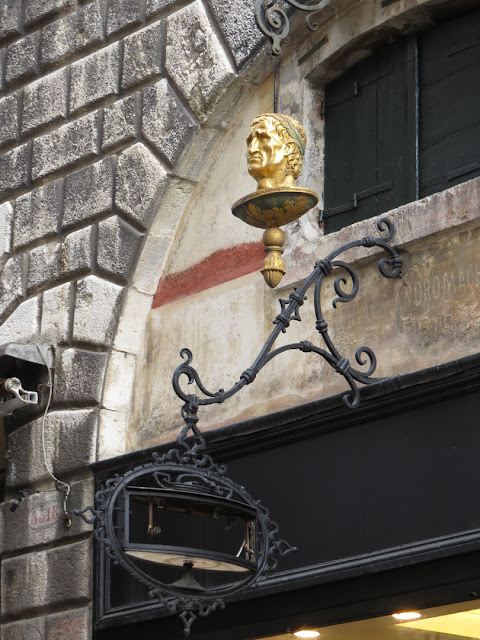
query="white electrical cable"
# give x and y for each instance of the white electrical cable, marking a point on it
(67, 489)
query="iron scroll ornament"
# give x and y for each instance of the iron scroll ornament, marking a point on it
(188, 466)
(389, 267)
(274, 22)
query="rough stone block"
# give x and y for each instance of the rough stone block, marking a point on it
(132, 321)
(70, 442)
(141, 180)
(6, 223)
(43, 265)
(47, 578)
(88, 192)
(64, 146)
(36, 214)
(152, 261)
(33, 629)
(45, 101)
(159, 241)
(72, 34)
(239, 28)
(11, 286)
(194, 162)
(14, 169)
(36, 10)
(56, 314)
(143, 55)
(77, 253)
(23, 323)
(221, 114)
(120, 122)
(9, 17)
(112, 434)
(9, 120)
(96, 308)
(3, 56)
(74, 625)
(155, 6)
(39, 519)
(79, 376)
(95, 77)
(22, 61)
(120, 376)
(123, 14)
(166, 123)
(118, 244)
(198, 65)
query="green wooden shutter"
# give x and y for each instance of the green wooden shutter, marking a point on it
(370, 137)
(450, 104)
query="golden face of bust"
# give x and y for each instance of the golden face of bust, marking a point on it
(267, 156)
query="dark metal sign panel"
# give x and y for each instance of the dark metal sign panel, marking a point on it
(386, 486)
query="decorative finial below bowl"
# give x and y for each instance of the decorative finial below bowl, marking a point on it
(276, 146)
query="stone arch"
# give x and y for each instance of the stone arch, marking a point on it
(371, 26)
(77, 205)
(157, 193)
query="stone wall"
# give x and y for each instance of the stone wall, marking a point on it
(107, 109)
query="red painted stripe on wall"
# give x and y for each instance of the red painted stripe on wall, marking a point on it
(221, 266)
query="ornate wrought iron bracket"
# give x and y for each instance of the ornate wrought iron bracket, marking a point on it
(274, 22)
(389, 267)
(187, 473)
(186, 468)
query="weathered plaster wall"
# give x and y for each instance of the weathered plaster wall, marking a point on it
(429, 317)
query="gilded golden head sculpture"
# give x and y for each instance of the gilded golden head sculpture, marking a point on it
(276, 146)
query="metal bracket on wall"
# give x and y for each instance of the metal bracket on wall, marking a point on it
(389, 267)
(13, 396)
(17, 361)
(188, 470)
(275, 23)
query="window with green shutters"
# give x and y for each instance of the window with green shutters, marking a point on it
(404, 123)
(449, 69)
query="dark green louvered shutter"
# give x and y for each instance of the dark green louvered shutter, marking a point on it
(450, 104)
(370, 134)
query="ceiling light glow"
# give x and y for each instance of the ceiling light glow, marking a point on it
(306, 633)
(407, 615)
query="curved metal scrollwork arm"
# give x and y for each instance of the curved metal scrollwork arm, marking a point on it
(82, 512)
(389, 267)
(274, 22)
